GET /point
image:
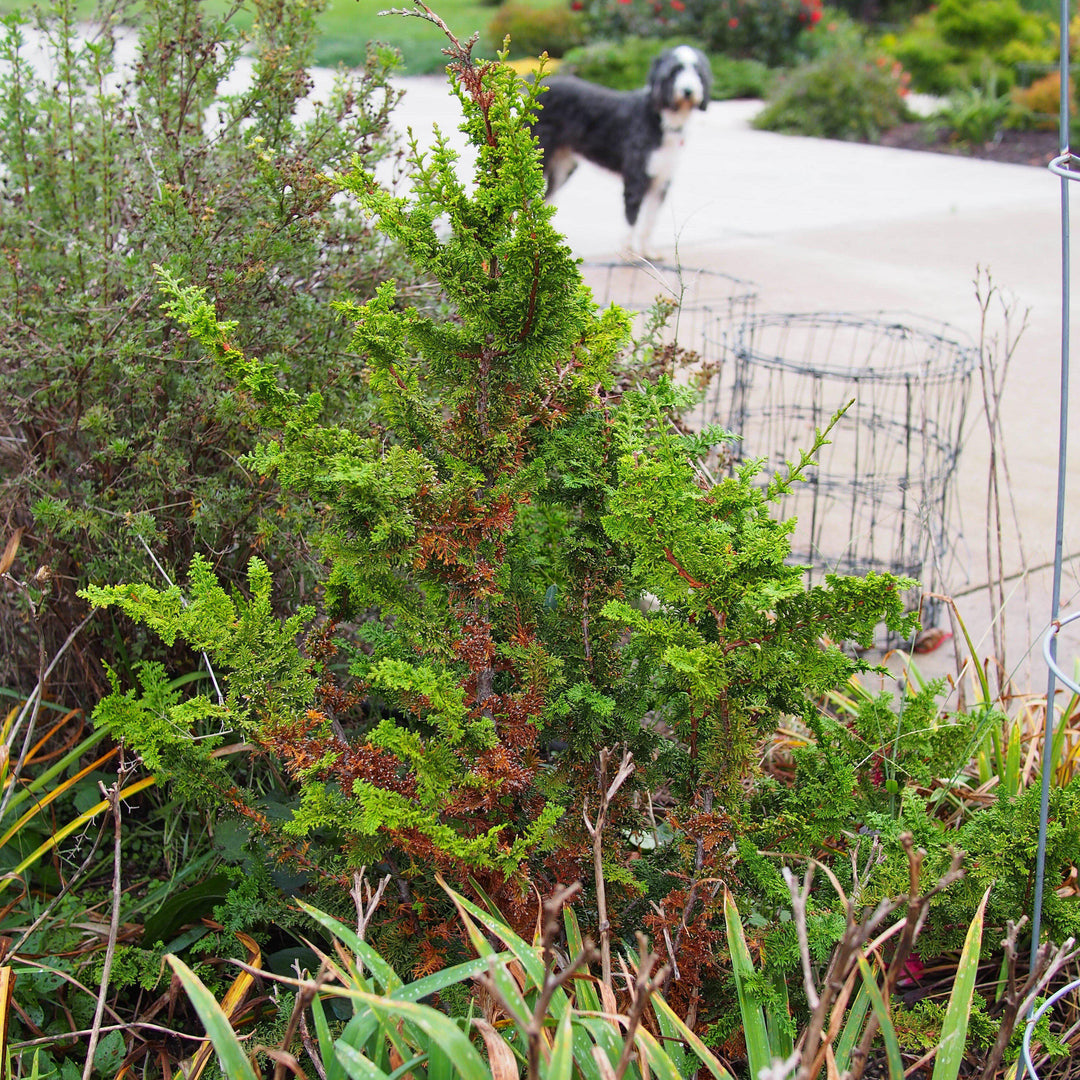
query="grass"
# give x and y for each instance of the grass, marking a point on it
(346, 26)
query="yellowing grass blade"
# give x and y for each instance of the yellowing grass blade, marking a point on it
(950, 1053)
(77, 823)
(230, 1003)
(501, 1057)
(39, 804)
(7, 986)
(233, 1060)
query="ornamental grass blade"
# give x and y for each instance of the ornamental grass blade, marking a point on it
(888, 1032)
(755, 1031)
(326, 1041)
(560, 1065)
(675, 1023)
(438, 1028)
(585, 994)
(853, 1026)
(950, 1053)
(231, 1002)
(356, 1064)
(233, 1060)
(381, 971)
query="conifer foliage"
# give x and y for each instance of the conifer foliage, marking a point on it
(490, 545)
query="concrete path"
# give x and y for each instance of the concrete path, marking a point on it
(827, 226)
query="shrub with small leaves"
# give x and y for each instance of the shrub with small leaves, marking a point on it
(121, 445)
(844, 95)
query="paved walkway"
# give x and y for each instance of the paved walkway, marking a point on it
(827, 226)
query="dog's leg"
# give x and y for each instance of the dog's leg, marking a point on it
(557, 169)
(636, 185)
(650, 210)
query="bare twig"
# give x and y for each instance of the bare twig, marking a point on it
(305, 993)
(642, 987)
(533, 1026)
(1017, 999)
(113, 795)
(365, 910)
(595, 829)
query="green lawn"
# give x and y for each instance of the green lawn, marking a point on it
(348, 25)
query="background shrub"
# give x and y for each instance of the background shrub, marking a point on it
(958, 44)
(842, 96)
(625, 66)
(764, 30)
(121, 445)
(534, 30)
(1037, 106)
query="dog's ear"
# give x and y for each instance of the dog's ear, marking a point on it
(704, 70)
(655, 81)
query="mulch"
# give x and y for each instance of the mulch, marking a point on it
(1012, 147)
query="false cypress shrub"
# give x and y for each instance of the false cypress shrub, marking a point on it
(526, 563)
(121, 445)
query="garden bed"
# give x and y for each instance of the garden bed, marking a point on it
(1011, 147)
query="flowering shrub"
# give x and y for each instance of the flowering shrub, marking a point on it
(765, 30)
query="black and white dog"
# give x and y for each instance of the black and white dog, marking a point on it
(637, 134)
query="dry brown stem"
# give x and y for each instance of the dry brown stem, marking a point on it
(830, 1002)
(595, 830)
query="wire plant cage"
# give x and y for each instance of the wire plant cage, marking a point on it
(879, 497)
(709, 305)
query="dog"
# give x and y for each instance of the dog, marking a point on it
(637, 134)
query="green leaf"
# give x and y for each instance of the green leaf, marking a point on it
(383, 973)
(667, 1018)
(950, 1053)
(561, 1065)
(888, 1032)
(585, 994)
(753, 1016)
(326, 1042)
(355, 1063)
(853, 1026)
(230, 1051)
(439, 1028)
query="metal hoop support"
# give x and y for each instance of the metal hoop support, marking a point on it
(1063, 166)
(1034, 1019)
(1048, 652)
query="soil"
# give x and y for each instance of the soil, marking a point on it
(1012, 147)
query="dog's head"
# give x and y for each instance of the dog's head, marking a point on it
(680, 79)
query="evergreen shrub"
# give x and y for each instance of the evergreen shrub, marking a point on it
(770, 31)
(534, 30)
(527, 565)
(624, 65)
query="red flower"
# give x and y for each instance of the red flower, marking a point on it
(624, 1)
(678, 5)
(577, 5)
(733, 23)
(815, 16)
